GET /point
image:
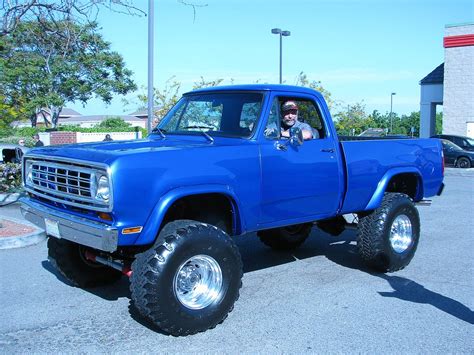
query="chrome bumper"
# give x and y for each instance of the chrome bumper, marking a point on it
(78, 230)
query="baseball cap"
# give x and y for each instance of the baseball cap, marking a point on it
(289, 105)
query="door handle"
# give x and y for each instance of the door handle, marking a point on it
(280, 146)
(332, 150)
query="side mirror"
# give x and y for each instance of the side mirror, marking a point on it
(296, 136)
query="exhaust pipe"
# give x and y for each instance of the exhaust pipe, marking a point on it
(126, 270)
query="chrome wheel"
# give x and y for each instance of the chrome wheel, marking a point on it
(198, 282)
(401, 234)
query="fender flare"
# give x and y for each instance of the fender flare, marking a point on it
(376, 198)
(149, 233)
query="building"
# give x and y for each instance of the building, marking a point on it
(451, 84)
(89, 121)
(68, 116)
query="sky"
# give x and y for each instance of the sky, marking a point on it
(360, 50)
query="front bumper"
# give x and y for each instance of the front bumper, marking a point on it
(79, 230)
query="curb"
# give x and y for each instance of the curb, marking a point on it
(459, 172)
(23, 240)
(7, 198)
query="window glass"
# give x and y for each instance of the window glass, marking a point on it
(224, 114)
(308, 113)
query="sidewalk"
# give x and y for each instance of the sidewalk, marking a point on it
(15, 231)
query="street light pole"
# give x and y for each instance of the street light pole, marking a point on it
(391, 110)
(281, 33)
(151, 16)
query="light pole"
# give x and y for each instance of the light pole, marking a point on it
(278, 31)
(151, 19)
(391, 109)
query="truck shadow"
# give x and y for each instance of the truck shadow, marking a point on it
(411, 291)
(341, 250)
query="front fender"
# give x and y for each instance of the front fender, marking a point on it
(376, 199)
(153, 223)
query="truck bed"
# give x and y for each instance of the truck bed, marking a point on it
(370, 162)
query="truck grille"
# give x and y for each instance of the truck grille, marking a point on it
(57, 179)
(69, 184)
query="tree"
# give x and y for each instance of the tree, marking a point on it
(51, 14)
(8, 114)
(113, 123)
(48, 13)
(166, 98)
(302, 80)
(353, 121)
(50, 70)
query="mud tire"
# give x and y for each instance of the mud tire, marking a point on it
(153, 282)
(68, 258)
(374, 234)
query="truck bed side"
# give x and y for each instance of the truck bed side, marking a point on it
(372, 165)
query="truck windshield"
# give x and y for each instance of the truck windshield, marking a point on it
(223, 114)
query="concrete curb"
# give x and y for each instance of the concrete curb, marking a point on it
(23, 240)
(9, 197)
(459, 172)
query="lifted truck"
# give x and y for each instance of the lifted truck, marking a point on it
(165, 210)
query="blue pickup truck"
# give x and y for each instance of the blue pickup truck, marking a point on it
(223, 162)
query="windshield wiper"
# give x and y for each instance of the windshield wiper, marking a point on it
(199, 127)
(160, 131)
(207, 135)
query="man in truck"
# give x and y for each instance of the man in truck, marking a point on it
(289, 119)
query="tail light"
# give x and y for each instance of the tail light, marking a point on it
(442, 162)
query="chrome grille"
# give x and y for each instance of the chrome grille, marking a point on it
(60, 179)
(70, 184)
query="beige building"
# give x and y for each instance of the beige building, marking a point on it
(452, 85)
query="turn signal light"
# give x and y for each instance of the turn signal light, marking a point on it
(105, 216)
(132, 230)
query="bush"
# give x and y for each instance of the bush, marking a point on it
(10, 177)
(29, 142)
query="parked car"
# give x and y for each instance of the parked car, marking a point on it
(464, 142)
(11, 153)
(456, 156)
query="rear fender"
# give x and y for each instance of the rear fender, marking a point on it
(376, 199)
(153, 224)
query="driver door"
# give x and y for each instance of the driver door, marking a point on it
(298, 181)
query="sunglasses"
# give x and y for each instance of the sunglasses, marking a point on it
(292, 111)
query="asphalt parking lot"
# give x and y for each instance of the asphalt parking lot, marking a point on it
(319, 299)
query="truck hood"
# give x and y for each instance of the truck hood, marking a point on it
(108, 152)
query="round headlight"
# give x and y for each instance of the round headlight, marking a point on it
(103, 189)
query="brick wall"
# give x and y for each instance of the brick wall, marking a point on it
(458, 103)
(55, 138)
(63, 138)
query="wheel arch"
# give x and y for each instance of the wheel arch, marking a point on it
(407, 181)
(222, 200)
